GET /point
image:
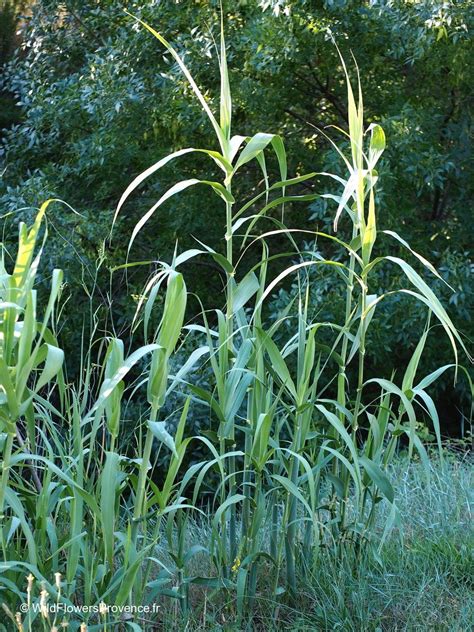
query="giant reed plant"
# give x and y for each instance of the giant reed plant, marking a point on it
(286, 467)
(294, 442)
(64, 488)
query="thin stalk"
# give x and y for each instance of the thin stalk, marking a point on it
(223, 518)
(142, 477)
(360, 376)
(7, 453)
(279, 553)
(292, 515)
(155, 537)
(341, 379)
(360, 384)
(291, 533)
(230, 316)
(252, 581)
(246, 480)
(274, 505)
(281, 544)
(34, 472)
(341, 386)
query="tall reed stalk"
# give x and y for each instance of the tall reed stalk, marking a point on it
(242, 344)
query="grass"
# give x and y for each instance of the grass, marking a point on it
(423, 579)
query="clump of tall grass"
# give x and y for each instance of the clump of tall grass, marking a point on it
(286, 477)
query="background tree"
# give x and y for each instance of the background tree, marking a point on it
(10, 15)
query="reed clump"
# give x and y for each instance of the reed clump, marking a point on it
(286, 474)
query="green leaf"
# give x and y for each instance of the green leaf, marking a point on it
(16, 505)
(53, 364)
(26, 246)
(108, 487)
(232, 500)
(187, 74)
(379, 477)
(173, 312)
(430, 406)
(424, 261)
(109, 385)
(277, 362)
(279, 149)
(177, 188)
(245, 290)
(408, 378)
(369, 231)
(390, 387)
(216, 156)
(433, 303)
(429, 379)
(377, 144)
(255, 145)
(158, 428)
(226, 100)
(337, 424)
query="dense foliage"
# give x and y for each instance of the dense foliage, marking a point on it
(100, 103)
